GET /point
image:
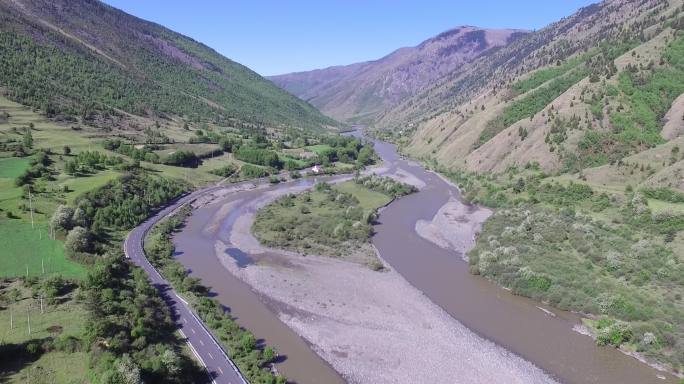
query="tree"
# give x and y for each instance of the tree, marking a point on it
(171, 362)
(365, 156)
(248, 342)
(28, 138)
(71, 167)
(78, 240)
(129, 372)
(62, 218)
(79, 218)
(269, 355)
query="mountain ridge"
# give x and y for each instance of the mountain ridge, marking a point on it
(357, 92)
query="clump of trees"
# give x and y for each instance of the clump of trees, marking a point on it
(88, 162)
(326, 221)
(573, 262)
(259, 156)
(126, 201)
(39, 168)
(664, 194)
(249, 171)
(225, 171)
(182, 158)
(386, 185)
(346, 149)
(130, 332)
(140, 154)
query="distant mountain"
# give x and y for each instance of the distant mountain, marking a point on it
(361, 91)
(83, 58)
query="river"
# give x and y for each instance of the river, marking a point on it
(515, 323)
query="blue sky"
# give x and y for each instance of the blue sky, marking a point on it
(274, 37)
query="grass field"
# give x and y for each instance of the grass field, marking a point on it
(367, 199)
(80, 185)
(12, 167)
(318, 148)
(51, 367)
(24, 247)
(658, 206)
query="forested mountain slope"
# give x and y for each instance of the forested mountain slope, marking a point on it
(359, 92)
(83, 58)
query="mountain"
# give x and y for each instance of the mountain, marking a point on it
(83, 58)
(359, 92)
(586, 91)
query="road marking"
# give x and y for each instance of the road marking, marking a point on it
(182, 333)
(220, 370)
(193, 330)
(181, 299)
(209, 353)
(202, 342)
(194, 352)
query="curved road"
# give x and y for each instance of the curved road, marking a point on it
(203, 344)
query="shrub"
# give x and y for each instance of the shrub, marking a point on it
(77, 241)
(182, 158)
(62, 218)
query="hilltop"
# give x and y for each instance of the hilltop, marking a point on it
(362, 91)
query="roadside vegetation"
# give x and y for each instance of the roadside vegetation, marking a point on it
(253, 360)
(331, 220)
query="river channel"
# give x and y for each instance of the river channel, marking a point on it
(543, 337)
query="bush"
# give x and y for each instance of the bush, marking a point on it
(77, 241)
(225, 171)
(386, 185)
(249, 171)
(182, 158)
(62, 218)
(258, 156)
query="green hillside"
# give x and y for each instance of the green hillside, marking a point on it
(86, 60)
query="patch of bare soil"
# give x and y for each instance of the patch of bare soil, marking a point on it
(455, 226)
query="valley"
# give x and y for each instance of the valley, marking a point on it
(313, 295)
(489, 205)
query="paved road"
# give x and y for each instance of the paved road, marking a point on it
(203, 344)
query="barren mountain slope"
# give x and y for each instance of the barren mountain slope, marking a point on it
(588, 90)
(359, 92)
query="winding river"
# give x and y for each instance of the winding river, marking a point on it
(544, 337)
